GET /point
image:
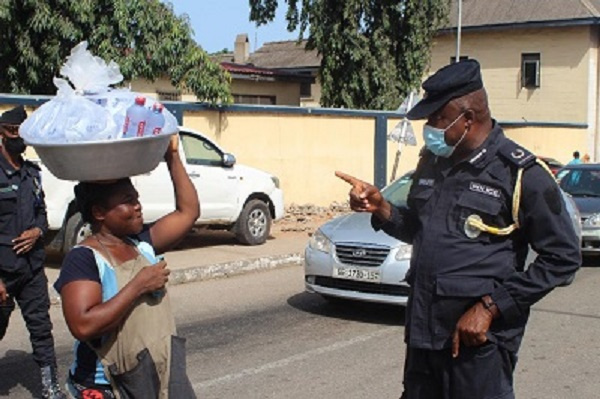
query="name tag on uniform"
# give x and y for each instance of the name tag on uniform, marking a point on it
(8, 189)
(426, 182)
(483, 189)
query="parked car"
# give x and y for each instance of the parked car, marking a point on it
(232, 196)
(582, 181)
(347, 259)
(552, 163)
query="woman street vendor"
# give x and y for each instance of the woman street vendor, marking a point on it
(114, 297)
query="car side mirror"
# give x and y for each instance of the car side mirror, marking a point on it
(228, 160)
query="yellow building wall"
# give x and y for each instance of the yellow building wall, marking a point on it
(304, 151)
(564, 57)
(557, 143)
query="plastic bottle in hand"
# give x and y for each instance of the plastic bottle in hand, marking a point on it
(136, 118)
(156, 120)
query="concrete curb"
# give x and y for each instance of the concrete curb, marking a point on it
(220, 270)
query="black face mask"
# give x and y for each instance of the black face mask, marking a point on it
(14, 146)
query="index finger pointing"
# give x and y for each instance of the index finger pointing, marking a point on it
(347, 178)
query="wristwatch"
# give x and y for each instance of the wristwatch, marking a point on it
(489, 305)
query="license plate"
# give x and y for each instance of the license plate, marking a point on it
(357, 273)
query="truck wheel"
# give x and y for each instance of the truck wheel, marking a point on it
(75, 231)
(254, 225)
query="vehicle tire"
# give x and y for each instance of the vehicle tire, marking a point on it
(254, 224)
(75, 232)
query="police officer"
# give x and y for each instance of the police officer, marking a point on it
(22, 225)
(476, 202)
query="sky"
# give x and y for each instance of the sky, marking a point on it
(216, 23)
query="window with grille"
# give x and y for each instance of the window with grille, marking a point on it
(254, 99)
(169, 95)
(306, 89)
(530, 70)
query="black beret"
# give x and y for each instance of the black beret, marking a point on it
(452, 81)
(14, 116)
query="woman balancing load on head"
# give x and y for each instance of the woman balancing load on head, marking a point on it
(113, 292)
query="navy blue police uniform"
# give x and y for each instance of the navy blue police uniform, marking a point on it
(22, 207)
(453, 266)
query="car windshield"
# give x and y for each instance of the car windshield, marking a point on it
(580, 182)
(397, 192)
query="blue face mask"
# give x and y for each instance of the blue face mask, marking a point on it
(435, 140)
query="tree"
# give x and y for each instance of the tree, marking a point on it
(144, 37)
(374, 52)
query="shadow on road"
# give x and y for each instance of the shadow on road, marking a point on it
(365, 312)
(18, 369)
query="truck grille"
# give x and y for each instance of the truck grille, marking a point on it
(360, 255)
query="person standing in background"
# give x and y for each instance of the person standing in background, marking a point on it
(575, 160)
(23, 224)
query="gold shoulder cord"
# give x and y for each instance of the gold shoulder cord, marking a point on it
(474, 222)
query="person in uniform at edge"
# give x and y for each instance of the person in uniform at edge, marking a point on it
(113, 292)
(470, 294)
(23, 224)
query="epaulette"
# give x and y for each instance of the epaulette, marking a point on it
(516, 155)
(424, 151)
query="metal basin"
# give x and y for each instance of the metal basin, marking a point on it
(103, 160)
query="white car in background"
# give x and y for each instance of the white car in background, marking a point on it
(232, 196)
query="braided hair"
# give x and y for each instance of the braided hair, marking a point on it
(88, 194)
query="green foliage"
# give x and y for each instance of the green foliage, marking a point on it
(373, 51)
(144, 37)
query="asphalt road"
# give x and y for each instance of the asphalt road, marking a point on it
(260, 336)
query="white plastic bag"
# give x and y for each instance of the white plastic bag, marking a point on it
(90, 110)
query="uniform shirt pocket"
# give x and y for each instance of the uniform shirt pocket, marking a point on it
(454, 295)
(419, 197)
(470, 203)
(8, 201)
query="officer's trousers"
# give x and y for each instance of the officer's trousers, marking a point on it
(483, 372)
(30, 290)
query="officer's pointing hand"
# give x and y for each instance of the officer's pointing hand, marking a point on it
(364, 197)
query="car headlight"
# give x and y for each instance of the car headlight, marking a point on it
(592, 221)
(319, 242)
(275, 180)
(404, 252)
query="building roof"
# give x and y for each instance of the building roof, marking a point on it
(285, 54)
(498, 13)
(249, 71)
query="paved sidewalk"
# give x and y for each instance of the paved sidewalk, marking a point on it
(216, 254)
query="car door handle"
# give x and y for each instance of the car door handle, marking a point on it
(232, 177)
(193, 175)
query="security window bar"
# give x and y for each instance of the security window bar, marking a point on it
(530, 70)
(169, 95)
(254, 99)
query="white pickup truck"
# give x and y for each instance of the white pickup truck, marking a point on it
(232, 196)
